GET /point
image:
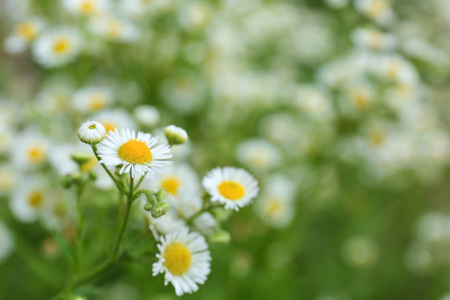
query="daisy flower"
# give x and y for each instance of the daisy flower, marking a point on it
(185, 259)
(147, 115)
(258, 154)
(24, 34)
(6, 241)
(86, 7)
(115, 119)
(115, 29)
(135, 153)
(57, 47)
(30, 150)
(176, 180)
(91, 132)
(230, 186)
(92, 99)
(29, 199)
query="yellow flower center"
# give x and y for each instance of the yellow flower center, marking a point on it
(61, 45)
(35, 199)
(109, 126)
(377, 137)
(87, 7)
(27, 30)
(231, 190)
(361, 100)
(97, 102)
(273, 207)
(178, 258)
(135, 152)
(171, 185)
(36, 154)
(114, 28)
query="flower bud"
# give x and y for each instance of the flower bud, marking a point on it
(81, 157)
(161, 195)
(175, 135)
(91, 132)
(93, 175)
(148, 207)
(160, 209)
(220, 237)
(66, 181)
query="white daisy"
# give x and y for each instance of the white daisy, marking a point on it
(29, 199)
(7, 135)
(115, 119)
(30, 150)
(6, 241)
(115, 28)
(230, 186)
(8, 178)
(57, 47)
(24, 34)
(176, 180)
(258, 154)
(86, 7)
(135, 153)
(377, 10)
(92, 99)
(91, 132)
(185, 259)
(175, 135)
(147, 115)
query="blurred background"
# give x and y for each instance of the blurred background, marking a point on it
(338, 107)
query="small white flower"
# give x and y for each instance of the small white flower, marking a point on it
(230, 186)
(115, 28)
(369, 38)
(175, 135)
(115, 119)
(135, 153)
(184, 259)
(29, 199)
(91, 132)
(24, 34)
(147, 115)
(377, 10)
(30, 149)
(258, 154)
(6, 241)
(92, 99)
(57, 47)
(360, 251)
(86, 7)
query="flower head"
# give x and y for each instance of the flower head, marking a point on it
(176, 135)
(185, 259)
(91, 132)
(135, 153)
(230, 186)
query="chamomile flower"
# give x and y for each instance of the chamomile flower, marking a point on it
(24, 34)
(86, 7)
(134, 153)
(176, 180)
(230, 186)
(29, 199)
(377, 10)
(115, 28)
(6, 241)
(184, 259)
(258, 154)
(57, 47)
(92, 99)
(91, 132)
(147, 115)
(115, 119)
(30, 149)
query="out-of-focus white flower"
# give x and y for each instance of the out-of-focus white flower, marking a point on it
(147, 115)
(23, 35)
(7, 136)
(314, 102)
(279, 128)
(135, 153)
(6, 241)
(115, 119)
(258, 154)
(360, 251)
(371, 38)
(8, 178)
(92, 99)
(183, 93)
(30, 149)
(29, 199)
(184, 259)
(396, 68)
(276, 204)
(377, 10)
(115, 28)
(57, 47)
(359, 96)
(195, 15)
(91, 132)
(232, 187)
(87, 7)
(336, 3)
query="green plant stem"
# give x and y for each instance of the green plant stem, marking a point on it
(79, 263)
(117, 183)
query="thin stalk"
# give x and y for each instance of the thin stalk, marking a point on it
(80, 228)
(118, 184)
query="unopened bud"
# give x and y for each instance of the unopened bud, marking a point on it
(91, 132)
(220, 237)
(76, 177)
(160, 209)
(81, 157)
(161, 195)
(148, 207)
(175, 135)
(92, 175)
(66, 181)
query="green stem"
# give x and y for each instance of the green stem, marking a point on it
(80, 228)
(118, 184)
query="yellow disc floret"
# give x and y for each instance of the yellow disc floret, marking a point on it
(135, 152)
(177, 258)
(231, 190)
(35, 199)
(87, 7)
(36, 154)
(27, 30)
(61, 45)
(171, 185)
